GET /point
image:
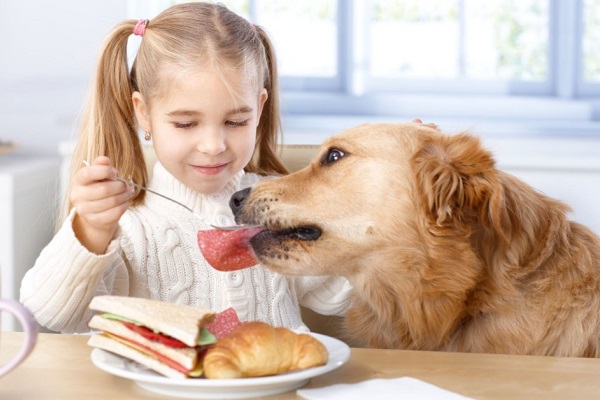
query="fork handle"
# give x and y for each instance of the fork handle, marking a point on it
(131, 183)
(135, 185)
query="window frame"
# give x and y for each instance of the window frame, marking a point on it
(353, 92)
(565, 79)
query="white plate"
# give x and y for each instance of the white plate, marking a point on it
(243, 388)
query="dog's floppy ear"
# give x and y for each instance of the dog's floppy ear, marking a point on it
(457, 181)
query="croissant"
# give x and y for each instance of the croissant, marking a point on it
(258, 349)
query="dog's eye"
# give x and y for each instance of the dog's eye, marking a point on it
(332, 156)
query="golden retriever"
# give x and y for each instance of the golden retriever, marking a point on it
(444, 251)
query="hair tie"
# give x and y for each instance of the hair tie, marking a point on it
(140, 27)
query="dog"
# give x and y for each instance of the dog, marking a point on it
(444, 251)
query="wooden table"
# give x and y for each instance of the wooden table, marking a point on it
(60, 368)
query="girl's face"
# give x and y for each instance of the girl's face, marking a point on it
(203, 133)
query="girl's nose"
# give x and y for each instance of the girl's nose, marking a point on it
(212, 142)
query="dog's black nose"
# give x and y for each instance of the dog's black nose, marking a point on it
(237, 200)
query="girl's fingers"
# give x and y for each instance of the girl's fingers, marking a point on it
(105, 212)
(102, 160)
(101, 169)
(104, 217)
(101, 203)
(98, 190)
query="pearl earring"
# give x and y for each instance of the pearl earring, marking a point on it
(147, 136)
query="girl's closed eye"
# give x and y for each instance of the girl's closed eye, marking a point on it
(237, 123)
(184, 125)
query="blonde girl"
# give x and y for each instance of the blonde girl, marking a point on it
(203, 87)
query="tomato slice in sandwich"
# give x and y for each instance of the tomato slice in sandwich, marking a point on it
(148, 351)
(155, 336)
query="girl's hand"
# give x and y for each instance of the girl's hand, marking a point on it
(430, 124)
(99, 201)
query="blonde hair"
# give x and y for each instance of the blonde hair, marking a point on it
(185, 35)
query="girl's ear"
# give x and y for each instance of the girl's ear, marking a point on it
(262, 99)
(142, 112)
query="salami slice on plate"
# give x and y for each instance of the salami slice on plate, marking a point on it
(224, 322)
(228, 250)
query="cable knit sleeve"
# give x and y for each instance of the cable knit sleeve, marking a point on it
(327, 295)
(65, 277)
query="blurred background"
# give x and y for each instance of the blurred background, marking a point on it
(508, 67)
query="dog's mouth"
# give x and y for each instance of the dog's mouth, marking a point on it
(229, 250)
(273, 246)
(302, 233)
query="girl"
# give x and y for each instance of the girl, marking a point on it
(203, 86)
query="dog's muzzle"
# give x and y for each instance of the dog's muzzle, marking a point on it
(304, 232)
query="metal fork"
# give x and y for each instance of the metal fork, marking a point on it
(132, 183)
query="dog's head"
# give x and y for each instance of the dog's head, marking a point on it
(373, 189)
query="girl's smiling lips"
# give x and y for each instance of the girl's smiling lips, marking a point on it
(210, 169)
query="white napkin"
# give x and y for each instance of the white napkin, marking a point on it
(381, 389)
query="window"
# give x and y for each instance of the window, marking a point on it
(461, 45)
(591, 41)
(306, 37)
(373, 56)
(589, 77)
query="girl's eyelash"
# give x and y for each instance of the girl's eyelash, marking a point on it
(237, 123)
(184, 125)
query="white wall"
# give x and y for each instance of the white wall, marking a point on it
(48, 51)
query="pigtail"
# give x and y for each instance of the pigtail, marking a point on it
(269, 131)
(109, 125)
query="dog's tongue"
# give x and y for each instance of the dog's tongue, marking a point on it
(228, 250)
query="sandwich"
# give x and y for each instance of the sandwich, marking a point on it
(168, 338)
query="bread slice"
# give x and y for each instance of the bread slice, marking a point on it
(105, 343)
(183, 322)
(187, 357)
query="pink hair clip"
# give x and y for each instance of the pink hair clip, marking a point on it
(140, 27)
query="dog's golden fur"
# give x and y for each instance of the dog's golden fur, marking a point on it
(445, 252)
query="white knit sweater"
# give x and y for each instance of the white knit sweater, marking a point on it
(155, 255)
